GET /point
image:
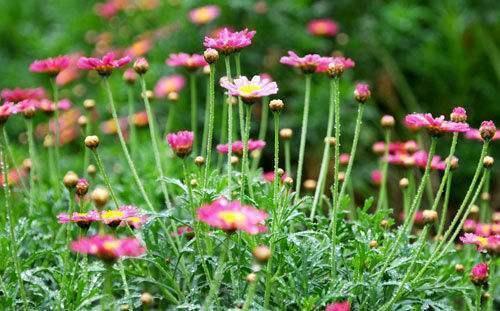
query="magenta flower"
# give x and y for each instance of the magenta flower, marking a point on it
(322, 27)
(344, 158)
(169, 84)
(51, 66)
(16, 95)
(7, 109)
(362, 92)
(435, 126)
(250, 91)
(458, 115)
(107, 247)
(227, 42)
(83, 220)
(190, 62)
(114, 218)
(339, 306)
(27, 107)
(105, 65)
(232, 216)
(489, 243)
(479, 274)
(487, 130)
(204, 14)
(237, 146)
(337, 64)
(308, 64)
(181, 143)
(376, 177)
(269, 176)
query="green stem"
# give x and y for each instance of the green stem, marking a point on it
(229, 133)
(194, 110)
(88, 129)
(288, 165)
(34, 163)
(206, 118)
(223, 133)
(131, 124)
(478, 298)
(124, 146)
(125, 283)
(154, 141)
(240, 102)
(336, 155)
(485, 206)
(105, 177)
(264, 118)
(108, 300)
(334, 98)
(303, 135)
(12, 159)
(382, 195)
(244, 164)
(211, 119)
(445, 205)
(218, 276)
(250, 295)
(277, 178)
(57, 130)
(446, 171)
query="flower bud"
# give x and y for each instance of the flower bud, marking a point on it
(92, 142)
(141, 65)
(173, 96)
(479, 274)
(286, 133)
(100, 196)
(199, 161)
(206, 69)
(459, 268)
(387, 121)
(373, 244)
(335, 69)
(488, 162)
(251, 277)
(193, 183)
(147, 299)
(378, 148)
(234, 160)
(91, 170)
(82, 187)
(429, 216)
(29, 113)
(384, 223)
(280, 172)
(341, 176)
(485, 196)
(70, 179)
(232, 100)
(82, 121)
(255, 154)
(474, 210)
(496, 217)
(331, 141)
(411, 146)
(403, 183)
(288, 181)
(130, 76)
(262, 253)
(487, 130)
(458, 115)
(89, 104)
(453, 162)
(362, 92)
(276, 105)
(309, 184)
(27, 164)
(211, 55)
(48, 141)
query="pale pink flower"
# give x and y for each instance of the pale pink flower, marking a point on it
(250, 91)
(323, 27)
(190, 62)
(169, 84)
(237, 146)
(51, 66)
(483, 229)
(340, 63)
(181, 142)
(204, 15)
(489, 243)
(27, 106)
(339, 306)
(105, 65)
(308, 63)
(17, 94)
(114, 218)
(107, 247)
(227, 42)
(435, 126)
(83, 220)
(232, 216)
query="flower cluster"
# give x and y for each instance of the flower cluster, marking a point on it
(124, 216)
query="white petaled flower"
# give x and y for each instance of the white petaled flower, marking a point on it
(250, 91)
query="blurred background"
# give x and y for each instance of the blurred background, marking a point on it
(418, 56)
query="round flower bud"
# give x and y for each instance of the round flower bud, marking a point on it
(474, 210)
(387, 121)
(362, 92)
(29, 112)
(288, 181)
(199, 160)
(384, 223)
(234, 160)
(458, 115)
(129, 76)
(331, 141)
(100, 196)
(173, 96)
(379, 148)
(487, 130)
(251, 277)
(429, 216)
(276, 105)
(488, 161)
(496, 217)
(453, 163)
(82, 187)
(193, 183)
(485, 196)
(286, 133)
(27, 163)
(411, 146)
(408, 162)
(255, 154)
(70, 180)
(403, 183)
(48, 141)
(459, 268)
(341, 176)
(82, 121)
(92, 142)
(206, 69)
(309, 184)
(91, 170)
(479, 274)
(281, 172)
(486, 296)
(262, 253)
(141, 65)
(211, 55)
(147, 299)
(89, 104)
(373, 244)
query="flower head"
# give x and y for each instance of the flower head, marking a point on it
(376, 177)
(27, 107)
(323, 27)
(474, 134)
(487, 130)
(250, 91)
(181, 142)
(105, 65)
(83, 220)
(269, 176)
(169, 84)
(488, 243)
(232, 215)
(190, 62)
(184, 231)
(107, 247)
(308, 63)
(51, 66)
(435, 126)
(339, 306)
(458, 115)
(479, 274)
(227, 42)
(420, 159)
(362, 92)
(16, 95)
(7, 109)
(204, 14)
(335, 66)
(237, 146)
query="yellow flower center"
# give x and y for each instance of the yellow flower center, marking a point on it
(483, 242)
(134, 219)
(248, 89)
(112, 214)
(232, 217)
(111, 245)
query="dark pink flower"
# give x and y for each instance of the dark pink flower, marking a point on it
(105, 65)
(107, 247)
(323, 27)
(269, 176)
(190, 62)
(169, 84)
(339, 306)
(227, 42)
(7, 109)
(51, 66)
(479, 274)
(18, 94)
(204, 15)
(308, 63)
(232, 216)
(435, 126)
(376, 177)
(181, 142)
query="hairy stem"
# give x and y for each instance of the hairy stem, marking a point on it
(194, 110)
(211, 118)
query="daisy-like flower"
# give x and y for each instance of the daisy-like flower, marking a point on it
(83, 220)
(334, 66)
(7, 109)
(339, 306)
(479, 274)
(204, 15)
(308, 63)
(113, 218)
(181, 143)
(51, 66)
(323, 27)
(134, 222)
(17, 94)
(27, 107)
(107, 247)
(420, 158)
(237, 146)
(190, 62)
(490, 243)
(169, 84)
(227, 42)
(232, 216)
(435, 126)
(105, 65)
(250, 91)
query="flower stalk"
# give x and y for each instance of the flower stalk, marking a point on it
(264, 118)
(211, 120)
(194, 109)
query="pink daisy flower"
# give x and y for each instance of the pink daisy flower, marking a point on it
(237, 146)
(323, 27)
(339, 306)
(107, 247)
(340, 63)
(479, 274)
(490, 243)
(169, 84)
(16, 95)
(181, 143)
(27, 107)
(204, 15)
(250, 91)
(232, 216)
(308, 64)
(51, 66)
(435, 126)
(190, 62)
(7, 109)
(105, 65)
(83, 220)
(269, 176)
(113, 218)
(227, 42)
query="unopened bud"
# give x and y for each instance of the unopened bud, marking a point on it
(459, 268)
(330, 141)
(199, 160)
(234, 160)
(373, 244)
(309, 184)
(82, 121)
(149, 94)
(453, 162)
(488, 161)
(194, 183)
(173, 96)
(474, 210)
(251, 277)
(429, 216)
(89, 104)
(129, 76)
(147, 299)
(384, 223)
(255, 154)
(458, 115)
(341, 176)
(48, 141)
(232, 100)
(141, 65)
(485, 196)
(276, 105)
(387, 121)
(82, 187)
(27, 163)
(206, 69)
(262, 253)
(487, 130)
(288, 181)
(70, 179)
(91, 170)
(92, 142)
(286, 133)
(362, 92)
(100, 196)
(403, 183)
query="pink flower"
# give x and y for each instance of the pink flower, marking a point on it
(458, 115)
(469, 225)
(16, 95)
(83, 220)
(237, 146)
(105, 65)
(344, 158)
(362, 92)
(27, 107)
(322, 27)
(487, 130)
(51, 66)
(232, 216)
(184, 230)
(107, 247)
(71, 72)
(339, 306)
(7, 109)
(421, 158)
(490, 243)
(114, 218)
(483, 229)
(308, 64)
(181, 142)
(204, 15)
(130, 76)
(337, 64)
(227, 42)
(169, 84)
(474, 134)
(250, 91)
(190, 62)
(479, 274)
(269, 176)
(435, 126)
(376, 177)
